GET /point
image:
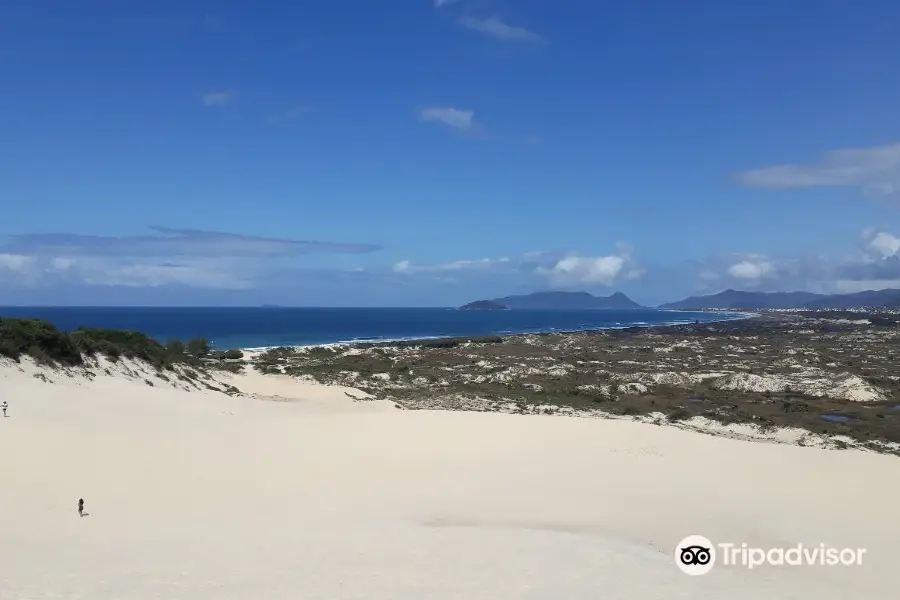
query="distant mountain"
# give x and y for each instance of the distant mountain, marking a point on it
(483, 305)
(564, 301)
(734, 299)
(738, 300)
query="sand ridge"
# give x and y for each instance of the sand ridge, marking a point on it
(293, 489)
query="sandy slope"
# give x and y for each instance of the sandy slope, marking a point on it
(200, 495)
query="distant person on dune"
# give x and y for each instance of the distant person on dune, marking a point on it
(81, 507)
(4, 406)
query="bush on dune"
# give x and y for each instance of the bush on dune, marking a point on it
(38, 339)
(46, 344)
(197, 347)
(115, 343)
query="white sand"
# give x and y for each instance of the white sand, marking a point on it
(200, 495)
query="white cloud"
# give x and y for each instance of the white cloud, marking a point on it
(471, 264)
(18, 270)
(588, 270)
(531, 270)
(219, 98)
(205, 259)
(535, 269)
(877, 266)
(201, 275)
(61, 263)
(96, 270)
(15, 262)
(882, 244)
(754, 269)
(405, 266)
(452, 117)
(875, 169)
(495, 28)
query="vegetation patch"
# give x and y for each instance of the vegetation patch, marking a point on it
(47, 345)
(776, 370)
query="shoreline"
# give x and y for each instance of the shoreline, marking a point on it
(734, 316)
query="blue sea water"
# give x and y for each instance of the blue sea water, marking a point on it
(256, 327)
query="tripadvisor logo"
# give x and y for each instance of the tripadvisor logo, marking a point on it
(697, 555)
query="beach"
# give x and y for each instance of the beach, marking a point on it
(293, 489)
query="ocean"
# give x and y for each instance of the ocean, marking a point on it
(259, 327)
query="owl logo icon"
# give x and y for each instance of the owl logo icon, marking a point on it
(695, 555)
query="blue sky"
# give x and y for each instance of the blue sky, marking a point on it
(413, 152)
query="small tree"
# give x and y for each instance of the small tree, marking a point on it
(175, 347)
(198, 347)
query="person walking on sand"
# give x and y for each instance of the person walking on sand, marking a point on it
(4, 406)
(81, 507)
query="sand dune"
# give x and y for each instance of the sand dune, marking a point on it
(294, 490)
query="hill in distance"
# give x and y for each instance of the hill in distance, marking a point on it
(555, 301)
(483, 305)
(739, 300)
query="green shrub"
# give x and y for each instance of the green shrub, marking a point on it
(46, 344)
(116, 343)
(175, 347)
(39, 339)
(197, 347)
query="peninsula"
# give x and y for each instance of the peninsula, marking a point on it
(557, 300)
(483, 305)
